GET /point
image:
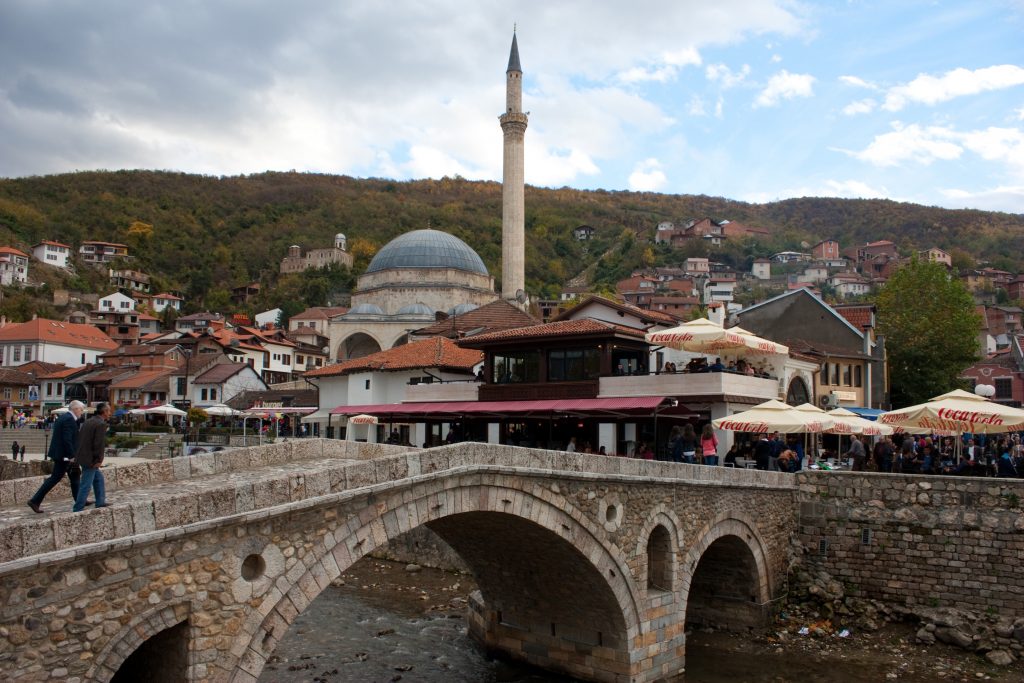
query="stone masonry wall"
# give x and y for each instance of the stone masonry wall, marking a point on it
(78, 597)
(917, 541)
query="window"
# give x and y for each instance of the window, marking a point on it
(182, 386)
(858, 380)
(847, 375)
(298, 359)
(367, 385)
(22, 393)
(203, 394)
(568, 365)
(213, 394)
(83, 359)
(17, 355)
(286, 359)
(516, 366)
(28, 353)
(252, 363)
(1004, 387)
(7, 393)
(49, 388)
(835, 375)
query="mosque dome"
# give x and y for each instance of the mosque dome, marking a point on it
(462, 308)
(427, 249)
(415, 309)
(365, 309)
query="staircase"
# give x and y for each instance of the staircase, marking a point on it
(35, 441)
(158, 448)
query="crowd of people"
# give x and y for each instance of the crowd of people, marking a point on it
(999, 455)
(701, 364)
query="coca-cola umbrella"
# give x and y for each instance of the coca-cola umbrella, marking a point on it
(703, 336)
(846, 419)
(957, 411)
(774, 416)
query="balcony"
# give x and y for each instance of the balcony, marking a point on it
(522, 391)
(438, 391)
(703, 384)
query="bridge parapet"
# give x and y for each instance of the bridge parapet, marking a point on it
(168, 494)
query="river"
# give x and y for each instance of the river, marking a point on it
(382, 624)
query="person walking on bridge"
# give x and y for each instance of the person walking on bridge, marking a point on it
(91, 442)
(63, 447)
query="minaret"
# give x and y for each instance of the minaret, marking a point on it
(513, 238)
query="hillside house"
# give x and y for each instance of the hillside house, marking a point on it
(697, 266)
(936, 255)
(315, 319)
(52, 253)
(95, 252)
(762, 269)
(116, 302)
(165, 300)
(583, 233)
(849, 284)
(13, 266)
(826, 250)
(52, 341)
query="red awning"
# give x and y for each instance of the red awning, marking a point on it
(624, 405)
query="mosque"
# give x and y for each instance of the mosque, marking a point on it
(425, 272)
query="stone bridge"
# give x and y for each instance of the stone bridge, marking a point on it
(587, 565)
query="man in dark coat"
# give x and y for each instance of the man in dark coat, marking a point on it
(63, 446)
(91, 442)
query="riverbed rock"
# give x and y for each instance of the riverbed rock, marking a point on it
(412, 568)
(1000, 657)
(925, 636)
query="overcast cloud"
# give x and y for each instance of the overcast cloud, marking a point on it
(620, 94)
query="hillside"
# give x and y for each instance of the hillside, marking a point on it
(212, 233)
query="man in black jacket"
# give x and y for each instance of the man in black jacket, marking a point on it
(91, 442)
(63, 447)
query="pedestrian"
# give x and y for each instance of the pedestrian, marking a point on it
(571, 448)
(762, 452)
(22, 453)
(14, 450)
(689, 442)
(675, 444)
(91, 443)
(709, 446)
(857, 454)
(63, 447)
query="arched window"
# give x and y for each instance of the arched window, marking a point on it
(798, 393)
(659, 560)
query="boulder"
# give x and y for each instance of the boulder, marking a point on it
(954, 636)
(1000, 657)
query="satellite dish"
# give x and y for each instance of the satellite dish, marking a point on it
(521, 296)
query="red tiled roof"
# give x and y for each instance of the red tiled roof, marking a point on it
(12, 250)
(561, 328)
(320, 313)
(497, 315)
(52, 243)
(105, 244)
(220, 372)
(59, 374)
(9, 376)
(858, 316)
(139, 379)
(879, 243)
(165, 295)
(437, 352)
(642, 313)
(56, 332)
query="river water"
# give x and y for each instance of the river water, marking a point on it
(382, 624)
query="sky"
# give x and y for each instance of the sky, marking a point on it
(754, 100)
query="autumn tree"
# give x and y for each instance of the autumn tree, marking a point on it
(930, 330)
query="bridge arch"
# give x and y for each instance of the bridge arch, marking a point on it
(464, 515)
(727, 578)
(134, 636)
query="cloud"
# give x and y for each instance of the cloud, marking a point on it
(916, 143)
(926, 89)
(647, 176)
(695, 107)
(1020, 114)
(1003, 198)
(785, 86)
(858, 82)
(860, 107)
(366, 89)
(926, 144)
(776, 59)
(726, 77)
(853, 189)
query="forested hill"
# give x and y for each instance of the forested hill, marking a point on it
(210, 234)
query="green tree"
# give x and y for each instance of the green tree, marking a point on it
(930, 331)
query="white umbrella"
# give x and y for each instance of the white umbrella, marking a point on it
(846, 419)
(60, 411)
(221, 410)
(774, 416)
(137, 411)
(957, 411)
(165, 409)
(704, 336)
(363, 419)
